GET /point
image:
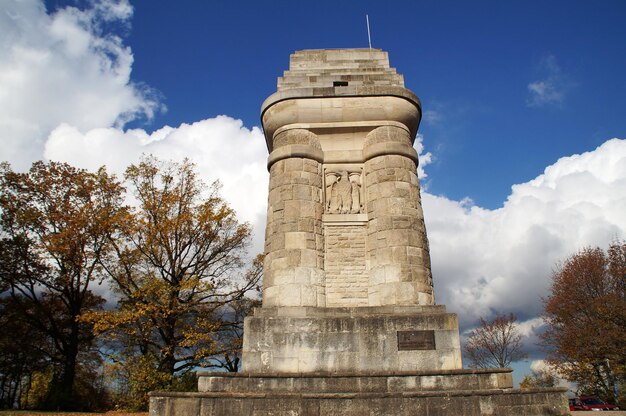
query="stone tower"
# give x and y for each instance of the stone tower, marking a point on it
(344, 223)
(349, 325)
(345, 240)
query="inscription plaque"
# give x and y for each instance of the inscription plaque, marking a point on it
(416, 340)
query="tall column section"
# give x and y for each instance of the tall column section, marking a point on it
(293, 268)
(347, 281)
(398, 251)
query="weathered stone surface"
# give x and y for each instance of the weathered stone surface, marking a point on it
(540, 402)
(293, 267)
(398, 254)
(345, 265)
(363, 382)
(349, 147)
(347, 339)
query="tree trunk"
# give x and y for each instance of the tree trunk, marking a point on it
(61, 392)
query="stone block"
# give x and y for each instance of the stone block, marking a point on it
(271, 296)
(296, 240)
(346, 401)
(353, 342)
(183, 406)
(308, 295)
(290, 294)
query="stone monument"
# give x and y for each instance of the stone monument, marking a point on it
(349, 324)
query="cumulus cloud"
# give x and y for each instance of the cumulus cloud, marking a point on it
(63, 68)
(541, 366)
(486, 261)
(552, 86)
(433, 116)
(221, 147)
(425, 159)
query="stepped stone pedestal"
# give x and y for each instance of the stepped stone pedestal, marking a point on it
(349, 324)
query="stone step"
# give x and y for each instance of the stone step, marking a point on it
(340, 71)
(331, 84)
(339, 53)
(354, 66)
(356, 79)
(342, 76)
(384, 382)
(493, 402)
(337, 312)
(338, 63)
(333, 58)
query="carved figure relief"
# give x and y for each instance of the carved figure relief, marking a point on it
(343, 192)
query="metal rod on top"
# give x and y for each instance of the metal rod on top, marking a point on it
(369, 39)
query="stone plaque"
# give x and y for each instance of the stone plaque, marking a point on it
(416, 340)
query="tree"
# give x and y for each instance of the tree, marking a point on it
(231, 334)
(539, 379)
(178, 269)
(21, 355)
(586, 320)
(495, 343)
(56, 221)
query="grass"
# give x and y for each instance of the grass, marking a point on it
(34, 412)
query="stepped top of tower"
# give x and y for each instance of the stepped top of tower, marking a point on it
(339, 68)
(320, 73)
(339, 87)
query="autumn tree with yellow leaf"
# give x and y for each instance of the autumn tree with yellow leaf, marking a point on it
(56, 222)
(179, 270)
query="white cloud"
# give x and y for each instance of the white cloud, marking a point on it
(529, 327)
(540, 366)
(425, 159)
(544, 92)
(501, 260)
(221, 148)
(551, 88)
(432, 116)
(63, 68)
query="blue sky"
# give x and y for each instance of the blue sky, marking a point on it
(523, 140)
(469, 62)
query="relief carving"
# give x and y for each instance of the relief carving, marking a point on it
(343, 192)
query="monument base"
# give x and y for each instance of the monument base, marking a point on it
(393, 360)
(429, 393)
(351, 340)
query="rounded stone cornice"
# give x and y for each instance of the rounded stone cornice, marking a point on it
(359, 104)
(295, 150)
(295, 135)
(351, 91)
(390, 148)
(294, 142)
